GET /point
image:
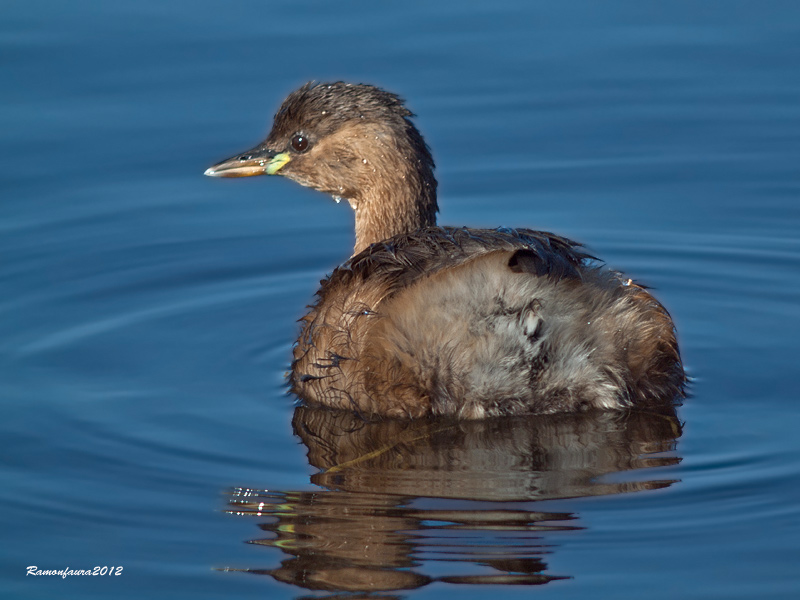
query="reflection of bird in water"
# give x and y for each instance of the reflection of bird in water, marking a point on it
(506, 459)
(391, 514)
(344, 542)
(440, 320)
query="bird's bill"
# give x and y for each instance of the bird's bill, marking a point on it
(258, 161)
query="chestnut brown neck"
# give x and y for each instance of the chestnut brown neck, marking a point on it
(396, 200)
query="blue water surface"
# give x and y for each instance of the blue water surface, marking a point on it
(147, 312)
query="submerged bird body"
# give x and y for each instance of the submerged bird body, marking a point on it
(439, 320)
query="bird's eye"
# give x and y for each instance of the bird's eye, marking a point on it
(300, 143)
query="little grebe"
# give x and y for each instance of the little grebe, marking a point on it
(443, 320)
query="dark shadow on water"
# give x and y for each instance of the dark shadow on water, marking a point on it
(405, 503)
